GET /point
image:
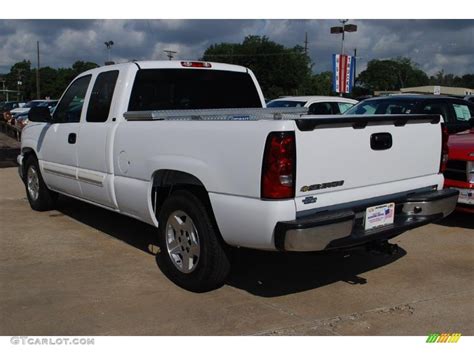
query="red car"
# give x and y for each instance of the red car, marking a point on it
(459, 171)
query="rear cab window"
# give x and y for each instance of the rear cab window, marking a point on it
(175, 89)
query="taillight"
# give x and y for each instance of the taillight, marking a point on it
(444, 148)
(279, 166)
(196, 64)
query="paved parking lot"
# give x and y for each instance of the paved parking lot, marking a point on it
(86, 271)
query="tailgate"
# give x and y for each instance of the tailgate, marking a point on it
(357, 155)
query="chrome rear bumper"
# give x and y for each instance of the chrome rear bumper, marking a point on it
(343, 228)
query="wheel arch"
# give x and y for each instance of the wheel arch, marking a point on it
(165, 181)
(27, 152)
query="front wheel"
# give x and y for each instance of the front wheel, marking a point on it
(39, 196)
(191, 252)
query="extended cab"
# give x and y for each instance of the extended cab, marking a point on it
(190, 148)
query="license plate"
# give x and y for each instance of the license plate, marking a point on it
(378, 216)
(466, 196)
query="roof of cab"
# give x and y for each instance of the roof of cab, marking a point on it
(411, 97)
(167, 64)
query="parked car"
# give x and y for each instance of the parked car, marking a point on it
(317, 105)
(22, 120)
(6, 107)
(457, 113)
(459, 172)
(188, 147)
(469, 98)
(34, 103)
(22, 111)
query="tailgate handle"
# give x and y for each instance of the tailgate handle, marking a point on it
(381, 141)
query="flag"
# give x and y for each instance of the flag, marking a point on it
(343, 68)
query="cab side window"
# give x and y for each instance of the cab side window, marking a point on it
(462, 112)
(435, 108)
(344, 106)
(101, 96)
(70, 107)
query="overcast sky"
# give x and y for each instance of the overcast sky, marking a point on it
(433, 44)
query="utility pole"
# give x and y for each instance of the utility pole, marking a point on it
(355, 66)
(306, 43)
(170, 54)
(38, 93)
(4, 92)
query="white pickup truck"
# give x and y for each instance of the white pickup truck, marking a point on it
(190, 148)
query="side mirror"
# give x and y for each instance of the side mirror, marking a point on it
(39, 114)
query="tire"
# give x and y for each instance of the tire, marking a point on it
(39, 196)
(198, 261)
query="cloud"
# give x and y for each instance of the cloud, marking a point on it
(433, 44)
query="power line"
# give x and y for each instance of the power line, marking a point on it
(249, 55)
(169, 53)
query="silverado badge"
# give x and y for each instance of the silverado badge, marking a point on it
(323, 185)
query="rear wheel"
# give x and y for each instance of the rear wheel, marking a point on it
(191, 252)
(39, 196)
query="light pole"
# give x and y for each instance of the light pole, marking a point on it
(109, 45)
(346, 27)
(343, 29)
(19, 84)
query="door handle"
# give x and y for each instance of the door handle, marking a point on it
(71, 139)
(381, 141)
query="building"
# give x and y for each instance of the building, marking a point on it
(430, 89)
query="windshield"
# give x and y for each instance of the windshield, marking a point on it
(40, 104)
(9, 106)
(286, 103)
(47, 104)
(382, 107)
(174, 89)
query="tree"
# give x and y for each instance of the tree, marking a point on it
(443, 79)
(53, 82)
(319, 84)
(79, 66)
(20, 78)
(280, 70)
(392, 74)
